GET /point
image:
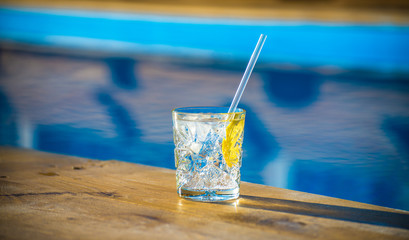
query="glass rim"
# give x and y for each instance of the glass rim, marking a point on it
(188, 110)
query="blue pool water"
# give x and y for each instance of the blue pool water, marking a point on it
(340, 130)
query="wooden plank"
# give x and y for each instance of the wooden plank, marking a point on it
(49, 196)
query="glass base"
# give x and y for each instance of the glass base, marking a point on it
(209, 195)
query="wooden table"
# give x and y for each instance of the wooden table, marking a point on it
(49, 196)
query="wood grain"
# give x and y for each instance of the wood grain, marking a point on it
(50, 196)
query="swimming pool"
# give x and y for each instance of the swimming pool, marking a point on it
(320, 118)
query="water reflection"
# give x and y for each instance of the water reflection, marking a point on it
(260, 147)
(8, 128)
(126, 127)
(344, 135)
(122, 72)
(76, 141)
(291, 89)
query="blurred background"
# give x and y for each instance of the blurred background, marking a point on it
(327, 104)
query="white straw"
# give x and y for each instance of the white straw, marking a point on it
(247, 73)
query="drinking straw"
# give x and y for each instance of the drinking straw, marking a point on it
(247, 73)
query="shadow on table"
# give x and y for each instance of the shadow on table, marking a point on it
(359, 215)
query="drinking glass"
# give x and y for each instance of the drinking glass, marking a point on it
(208, 152)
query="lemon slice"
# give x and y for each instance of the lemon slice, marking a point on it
(231, 146)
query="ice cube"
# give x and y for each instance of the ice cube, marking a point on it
(184, 131)
(183, 159)
(195, 147)
(202, 131)
(210, 177)
(199, 164)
